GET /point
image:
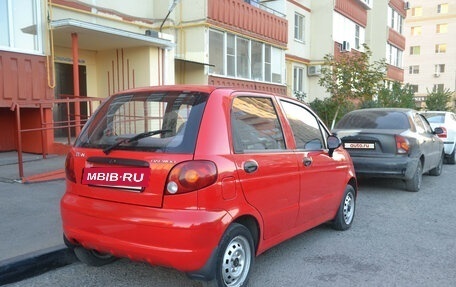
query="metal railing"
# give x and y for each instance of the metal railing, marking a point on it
(71, 124)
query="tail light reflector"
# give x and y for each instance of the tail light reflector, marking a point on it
(402, 144)
(69, 167)
(191, 175)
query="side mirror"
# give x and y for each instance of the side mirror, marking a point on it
(333, 143)
(438, 131)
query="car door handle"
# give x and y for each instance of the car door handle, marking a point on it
(307, 161)
(250, 166)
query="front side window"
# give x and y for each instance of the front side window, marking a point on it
(172, 117)
(20, 27)
(255, 125)
(307, 131)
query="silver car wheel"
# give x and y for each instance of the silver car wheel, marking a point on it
(236, 261)
(349, 208)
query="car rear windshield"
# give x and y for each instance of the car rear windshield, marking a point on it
(369, 119)
(161, 122)
(436, 118)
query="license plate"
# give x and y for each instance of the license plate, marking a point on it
(359, 145)
(121, 177)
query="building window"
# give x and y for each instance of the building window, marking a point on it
(299, 27)
(441, 28)
(348, 31)
(415, 50)
(357, 35)
(414, 69)
(239, 57)
(20, 25)
(414, 88)
(298, 80)
(416, 31)
(438, 88)
(417, 11)
(440, 48)
(442, 8)
(440, 68)
(395, 19)
(393, 56)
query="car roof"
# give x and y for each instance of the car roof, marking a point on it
(403, 110)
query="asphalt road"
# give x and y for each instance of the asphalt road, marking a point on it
(398, 238)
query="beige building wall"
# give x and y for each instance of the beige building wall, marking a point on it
(423, 15)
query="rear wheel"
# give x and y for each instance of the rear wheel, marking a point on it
(93, 257)
(436, 171)
(346, 212)
(452, 158)
(414, 184)
(235, 258)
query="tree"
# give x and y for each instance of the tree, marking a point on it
(397, 97)
(438, 100)
(351, 77)
(327, 109)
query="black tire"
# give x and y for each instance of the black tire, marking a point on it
(346, 211)
(414, 184)
(436, 171)
(92, 257)
(235, 258)
(452, 158)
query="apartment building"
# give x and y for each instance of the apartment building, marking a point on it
(431, 47)
(48, 45)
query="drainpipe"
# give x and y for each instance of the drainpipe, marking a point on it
(77, 106)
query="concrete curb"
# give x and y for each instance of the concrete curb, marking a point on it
(35, 263)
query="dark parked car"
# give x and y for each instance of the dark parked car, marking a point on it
(202, 179)
(392, 143)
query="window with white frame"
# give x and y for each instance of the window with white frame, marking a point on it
(439, 68)
(441, 28)
(414, 88)
(393, 55)
(442, 8)
(243, 58)
(415, 30)
(438, 88)
(415, 69)
(395, 20)
(415, 50)
(298, 80)
(440, 48)
(20, 25)
(348, 31)
(299, 22)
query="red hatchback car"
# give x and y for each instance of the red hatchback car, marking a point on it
(202, 179)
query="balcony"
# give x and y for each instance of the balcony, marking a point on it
(251, 20)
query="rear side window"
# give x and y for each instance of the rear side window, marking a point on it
(367, 119)
(306, 129)
(175, 116)
(435, 118)
(255, 125)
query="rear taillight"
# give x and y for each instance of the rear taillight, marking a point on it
(402, 144)
(443, 135)
(191, 175)
(69, 167)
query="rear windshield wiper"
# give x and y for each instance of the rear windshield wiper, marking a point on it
(133, 139)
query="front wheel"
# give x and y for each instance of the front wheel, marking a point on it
(235, 257)
(346, 211)
(93, 257)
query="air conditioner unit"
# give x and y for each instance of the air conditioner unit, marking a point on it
(345, 47)
(436, 75)
(406, 5)
(314, 70)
